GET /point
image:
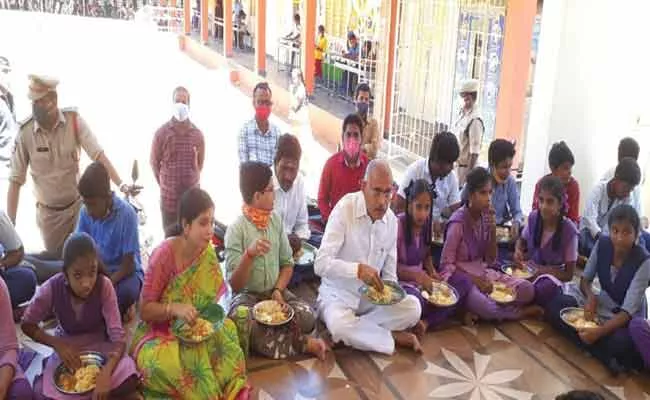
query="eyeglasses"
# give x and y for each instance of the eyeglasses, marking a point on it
(378, 193)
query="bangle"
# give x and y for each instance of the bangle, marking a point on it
(167, 311)
(276, 288)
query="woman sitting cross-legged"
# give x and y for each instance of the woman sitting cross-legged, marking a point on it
(623, 271)
(183, 278)
(549, 242)
(259, 265)
(415, 268)
(83, 300)
(470, 249)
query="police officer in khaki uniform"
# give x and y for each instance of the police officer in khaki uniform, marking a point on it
(469, 129)
(49, 142)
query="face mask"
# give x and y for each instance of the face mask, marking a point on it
(362, 108)
(351, 147)
(181, 112)
(40, 114)
(262, 112)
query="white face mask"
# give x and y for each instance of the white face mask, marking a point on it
(181, 112)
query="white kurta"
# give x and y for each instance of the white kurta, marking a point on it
(291, 206)
(352, 238)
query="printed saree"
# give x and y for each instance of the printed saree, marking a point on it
(214, 369)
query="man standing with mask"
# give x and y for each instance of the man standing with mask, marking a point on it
(258, 138)
(177, 156)
(48, 142)
(469, 129)
(371, 142)
(343, 172)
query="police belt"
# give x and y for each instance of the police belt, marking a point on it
(57, 208)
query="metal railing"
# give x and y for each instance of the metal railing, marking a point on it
(439, 43)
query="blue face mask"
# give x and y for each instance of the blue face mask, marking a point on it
(362, 108)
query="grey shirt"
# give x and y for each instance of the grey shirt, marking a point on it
(634, 300)
(9, 239)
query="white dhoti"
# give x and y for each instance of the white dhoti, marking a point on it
(369, 327)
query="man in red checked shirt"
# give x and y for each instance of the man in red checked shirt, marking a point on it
(177, 156)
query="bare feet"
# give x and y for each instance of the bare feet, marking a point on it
(317, 347)
(407, 339)
(420, 329)
(470, 319)
(532, 312)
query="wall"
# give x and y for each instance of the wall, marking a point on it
(590, 86)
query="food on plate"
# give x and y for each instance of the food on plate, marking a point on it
(518, 272)
(271, 312)
(501, 293)
(385, 296)
(503, 233)
(197, 331)
(83, 379)
(576, 318)
(441, 294)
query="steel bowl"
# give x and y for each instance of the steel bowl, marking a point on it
(451, 288)
(308, 256)
(87, 358)
(288, 310)
(528, 268)
(513, 291)
(398, 294)
(565, 312)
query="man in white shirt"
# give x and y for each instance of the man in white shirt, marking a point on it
(290, 199)
(360, 246)
(437, 168)
(604, 198)
(628, 147)
(469, 128)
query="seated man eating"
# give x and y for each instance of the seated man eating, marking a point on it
(360, 246)
(113, 225)
(290, 199)
(259, 265)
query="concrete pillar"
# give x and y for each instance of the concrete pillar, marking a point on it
(520, 18)
(260, 38)
(204, 22)
(227, 28)
(187, 17)
(308, 47)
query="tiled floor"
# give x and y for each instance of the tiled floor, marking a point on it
(514, 360)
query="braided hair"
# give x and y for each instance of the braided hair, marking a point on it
(552, 185)
(414, 189)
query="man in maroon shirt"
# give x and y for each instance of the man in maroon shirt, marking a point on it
(177, 156)
(343, 172)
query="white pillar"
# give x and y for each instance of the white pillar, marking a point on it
(590, 87)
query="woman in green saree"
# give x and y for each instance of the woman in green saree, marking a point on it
(183, 278)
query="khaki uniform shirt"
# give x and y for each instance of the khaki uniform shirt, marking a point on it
(371, 140)
(53, 157)
(470, 143)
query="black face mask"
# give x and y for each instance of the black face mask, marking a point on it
(40, 114)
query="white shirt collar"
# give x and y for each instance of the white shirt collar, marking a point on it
(360, 210)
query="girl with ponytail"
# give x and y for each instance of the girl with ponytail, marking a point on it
(550, 240)
(415, 267)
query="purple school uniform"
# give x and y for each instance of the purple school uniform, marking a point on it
(411, 257)
(628, 345)
(93, 325)
(464, 252)
(545, 254)
(19, 389)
